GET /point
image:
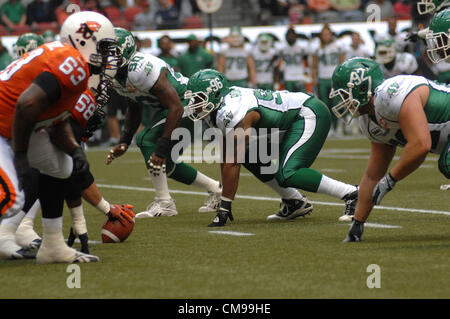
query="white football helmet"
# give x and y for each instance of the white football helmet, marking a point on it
(93, 35)
(385, 51)
(264, 42)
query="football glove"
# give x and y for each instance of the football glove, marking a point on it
(80, 163)
(355, 232)
(385, 185)
(123, 213)
(223, 214)
(84, 239)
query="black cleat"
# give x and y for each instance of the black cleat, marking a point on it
(350, 205)
(291, 209)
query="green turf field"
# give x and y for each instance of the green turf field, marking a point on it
(178, 257)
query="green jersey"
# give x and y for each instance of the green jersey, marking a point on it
(189, 63)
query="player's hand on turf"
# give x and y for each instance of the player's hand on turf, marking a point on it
(355, 232)
(223, 214)
(157, 165)
(23, 168)
(385, 185)
(124, 213)
(117, 151)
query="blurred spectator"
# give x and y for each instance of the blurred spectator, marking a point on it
(13, 13)
(195, 58)
(167, 15)
(93, 5)
(273, 11)
(145, 20)
(41, 11)
(357, 48)
(166, 46)
(63, 10)
(296, 11)
(236, 61)
(403, 9)
(294, 55)
(386, 8)
(5, 57)
(322, 11)
(327, 54)
(349, 10)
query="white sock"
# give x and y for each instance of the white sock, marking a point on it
(161, 186)
(285, 193)
(205, 182)
(52, 223)
(34, 209)
(103, 206)
(13, 221)
(78, 220)
(334, 188)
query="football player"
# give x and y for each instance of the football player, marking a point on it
(48, 36)
(304, 120)
(236, 62)
(293, 55)
(265, 57)
(147, 81)
(80, 120)
(37, 92)
(391, 62)
(406, 110)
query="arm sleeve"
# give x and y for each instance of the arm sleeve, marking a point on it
(48, 82)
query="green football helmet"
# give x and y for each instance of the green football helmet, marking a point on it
(264, 42)
(27, 42)
(235, 38)
(385, 50)
(438, 37)
(127, 45)
(354, 83)
(49, 36)
(431, 6)
(205, 92)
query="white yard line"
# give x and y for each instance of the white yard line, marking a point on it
(376, 225)
(175, 191)
(231, 233)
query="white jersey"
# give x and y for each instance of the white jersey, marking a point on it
(388, 101)
(405, 63)
(328, 59)
(293, 60)
(264, 66)
(144, 71)
(360, 51)
(236, 63)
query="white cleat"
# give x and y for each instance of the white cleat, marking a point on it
(63, 254)
(10, 250)
(25, 234)
(212, 203)
(159, 208)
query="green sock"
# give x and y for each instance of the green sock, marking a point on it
(183, 173)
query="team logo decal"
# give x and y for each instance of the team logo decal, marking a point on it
(87, 29)
(393, 89)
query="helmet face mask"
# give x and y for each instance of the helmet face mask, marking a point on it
(430, 6)
(264, 42)
(438, 37)
(354, 82)
(25, 43)
(205, 93)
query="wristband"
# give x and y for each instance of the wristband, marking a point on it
(390, 176)
(125, 138)
(163, 147)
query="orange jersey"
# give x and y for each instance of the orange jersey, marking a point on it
(64, 62)
(85, 107)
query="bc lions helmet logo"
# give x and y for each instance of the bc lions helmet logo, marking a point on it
(87, 29)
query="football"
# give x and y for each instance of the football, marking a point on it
(116, 230)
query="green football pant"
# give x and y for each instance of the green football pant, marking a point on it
(444, 160)
(294, 86)
(324, 88)
(146, 141)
